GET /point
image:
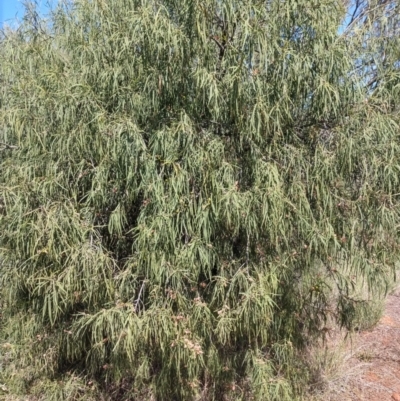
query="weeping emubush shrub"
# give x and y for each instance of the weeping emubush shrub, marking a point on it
(189, 192)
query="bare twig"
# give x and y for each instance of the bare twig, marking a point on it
(138, 299)
(7, 146)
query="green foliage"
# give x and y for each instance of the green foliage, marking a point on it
(189, 191)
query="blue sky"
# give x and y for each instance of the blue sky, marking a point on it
(11, 9)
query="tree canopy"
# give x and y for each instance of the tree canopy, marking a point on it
(190, 192)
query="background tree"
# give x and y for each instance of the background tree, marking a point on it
(190, 191)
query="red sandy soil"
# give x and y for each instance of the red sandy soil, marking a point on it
(371, 371)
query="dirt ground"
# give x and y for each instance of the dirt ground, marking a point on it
(371, 371)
